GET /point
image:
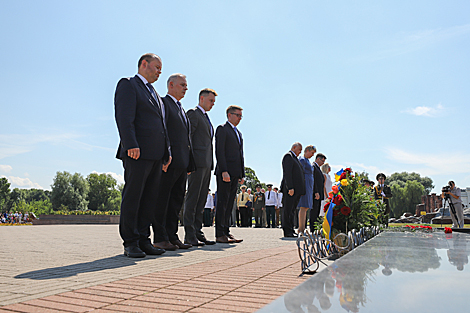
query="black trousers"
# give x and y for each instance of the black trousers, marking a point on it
(314, 213)
(226, 192)
(244, 216)
(169, 201)
(139, 199)
(196, 198)
(289, 203)
(271, 216)
(207, 217)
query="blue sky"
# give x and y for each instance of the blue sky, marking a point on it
(380, 86)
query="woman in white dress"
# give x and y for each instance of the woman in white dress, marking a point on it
(325, 168)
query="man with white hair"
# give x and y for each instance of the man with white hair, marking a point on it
(173, 184)
(292, 186)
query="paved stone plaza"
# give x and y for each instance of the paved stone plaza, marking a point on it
(80, 268)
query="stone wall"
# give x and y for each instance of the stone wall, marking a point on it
(76, 219)
(432, 202)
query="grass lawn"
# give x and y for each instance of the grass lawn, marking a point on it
(433, 225)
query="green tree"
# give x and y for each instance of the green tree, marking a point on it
(4, 194)
(251, 180)
(403, 177)
(41, 207)
(406, 198)
(103, 194)
(70, 191)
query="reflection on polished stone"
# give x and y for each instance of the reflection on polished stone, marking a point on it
(393, 272)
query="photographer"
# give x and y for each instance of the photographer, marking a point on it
(454, 197)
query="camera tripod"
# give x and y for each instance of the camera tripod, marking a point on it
(452, 209)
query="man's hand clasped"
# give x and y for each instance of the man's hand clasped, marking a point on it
(134, 153)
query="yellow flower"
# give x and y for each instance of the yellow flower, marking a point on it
(344, 182)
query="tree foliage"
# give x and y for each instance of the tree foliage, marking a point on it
(103, 194)
(251, 180)
(407, 189)
(4, 193)
(402, 178)
(70, 191)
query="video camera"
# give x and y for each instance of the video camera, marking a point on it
(446, 189)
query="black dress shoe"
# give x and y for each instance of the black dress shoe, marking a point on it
(290, 235)
(134, 252)
(151, 250)
(207, 242)
(194, 243)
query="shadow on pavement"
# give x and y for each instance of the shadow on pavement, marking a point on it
(118, 261)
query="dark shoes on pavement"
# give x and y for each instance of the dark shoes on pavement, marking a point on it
(234, 239)
(134, 252)
(194, 242)
(149, 249)
(207, 242)
(228, 239)
(181, 245)
(165, 245)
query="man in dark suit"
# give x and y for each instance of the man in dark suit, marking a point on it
(173, 184)
(318, 189)
(292, 186)
(144, 146)
(230, 171)
(202, 133)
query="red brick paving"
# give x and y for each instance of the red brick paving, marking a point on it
(242, 283)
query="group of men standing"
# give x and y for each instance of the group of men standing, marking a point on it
(293, 186)
(162, 149)
(263, 204)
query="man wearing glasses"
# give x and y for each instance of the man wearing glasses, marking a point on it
(230, 171)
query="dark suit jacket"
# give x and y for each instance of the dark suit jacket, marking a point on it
(293, 176)
(318, 181)
(229, 152)
(139, 121)
(179, 134)
(201, 139)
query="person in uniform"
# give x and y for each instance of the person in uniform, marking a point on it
(383, 193)
(242, 198)
(259, 205)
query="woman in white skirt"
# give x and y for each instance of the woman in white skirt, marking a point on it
(325, 168)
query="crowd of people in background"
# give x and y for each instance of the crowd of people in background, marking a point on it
(16, 218)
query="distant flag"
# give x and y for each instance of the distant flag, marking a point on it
(338, 174)
(327, 221)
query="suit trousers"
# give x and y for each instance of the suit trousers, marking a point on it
(226, 192)
(196, 198)
(258, 217)
(243, 216)
(289, 203)
(314, 213)
(169, 201)
(142, 178)
(207, 217)
(271, 216)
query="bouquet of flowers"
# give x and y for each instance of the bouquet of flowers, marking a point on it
(352, 203)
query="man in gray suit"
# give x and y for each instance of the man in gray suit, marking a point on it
(202, 133)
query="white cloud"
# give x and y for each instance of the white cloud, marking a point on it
(426, 111)
(18, 182)
(5, 168)
(406, 42)
(118, 177)
(444, 163)
(14, 144)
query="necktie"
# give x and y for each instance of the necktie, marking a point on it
(182, 112)
(212, 129)
(269, 193)
(242, 196)
(238, 135)
(156, 97)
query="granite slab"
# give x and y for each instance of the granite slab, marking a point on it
(393, 272)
